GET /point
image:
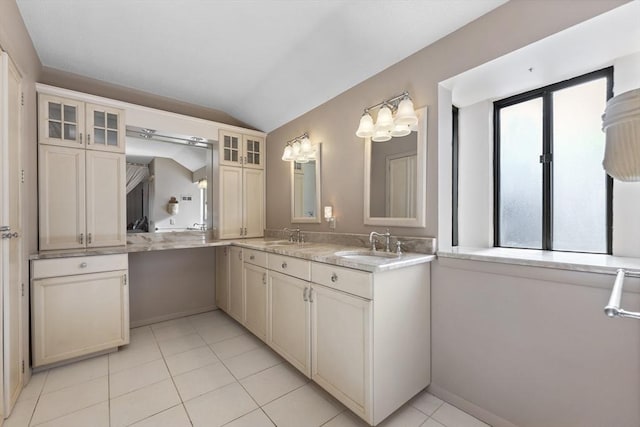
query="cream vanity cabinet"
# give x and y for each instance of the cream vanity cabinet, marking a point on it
(80, 306)
(222, 278)
(236, 288)
(241, 191)
(254, 279)
(81, 184)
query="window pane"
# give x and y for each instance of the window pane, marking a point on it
(579, 181)
(521, 175)
(55, 111)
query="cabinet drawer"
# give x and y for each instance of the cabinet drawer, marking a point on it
(344, 279)
(77, 265)
(292, 266)
(255, 257)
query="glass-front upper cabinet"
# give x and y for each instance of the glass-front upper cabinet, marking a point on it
(105, 128)
(241, 150)
(61, 121)
(76, 124)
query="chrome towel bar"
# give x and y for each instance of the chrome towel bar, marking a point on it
(612, 309)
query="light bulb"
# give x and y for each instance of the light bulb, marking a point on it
(365, 129)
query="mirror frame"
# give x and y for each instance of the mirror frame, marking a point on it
(421, 174)
(308, 220)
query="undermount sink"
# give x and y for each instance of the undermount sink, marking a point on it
(365, 255)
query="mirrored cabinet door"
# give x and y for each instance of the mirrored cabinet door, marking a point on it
(61, 121)
(105, 128)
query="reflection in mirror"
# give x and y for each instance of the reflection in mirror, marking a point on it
(395, 179)
(305, 190)
(158, 171)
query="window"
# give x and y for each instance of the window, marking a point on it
(550, 190)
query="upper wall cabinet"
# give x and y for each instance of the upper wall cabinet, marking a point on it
(241, 150)
(76, 124)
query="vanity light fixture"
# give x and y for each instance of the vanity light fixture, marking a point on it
(202, 184)
(386, 125)
(299, 149)
(328, 216)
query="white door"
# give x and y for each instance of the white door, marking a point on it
(289, 320)
(255, 296)
(105, 199)
(61, 121)
(236, 293)
(253, 202)
(341, 343)
(222, 279)
(12, 251)
(61, 197)
(253, 152)
(105, 128)
(401, 192)
(231, 225)
(230, 148)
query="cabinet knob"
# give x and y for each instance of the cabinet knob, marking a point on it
(334, 277)
(83, 265)
(284, 265)
(252, 257)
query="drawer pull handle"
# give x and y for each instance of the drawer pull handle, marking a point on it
(334, 277)
(310, 295)
(83, 265)
(304, 294)
(264, 278)
(284, 265)
(252, 257)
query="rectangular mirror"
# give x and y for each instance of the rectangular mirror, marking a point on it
(168, 182)
(395, 178)
(305, 190)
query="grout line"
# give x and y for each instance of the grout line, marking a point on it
(33, 412)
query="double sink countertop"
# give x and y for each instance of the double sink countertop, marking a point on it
(358, 258)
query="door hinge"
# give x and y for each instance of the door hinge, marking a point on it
(125, 279)
(546, 158)
(22, 176)
(23, 366)
(22, 103)
(22, 288)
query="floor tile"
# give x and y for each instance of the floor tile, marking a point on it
(220, 406)
(451, 416)
(94, 416)
(431, 423)
(34, 387)
(172, 417)
(346, 419)
(180, 344)
(202, 380)
(172, 329)
(190, 360)
(407, 416)
(137, 377)
(256, 418)
(21, 414)
(273, 382)
(71, 399)
(143, 403)
(252, 362)
(235, 346)
(217, 333)
(426, 402)
(211, 318)
(76, 373)
(129, 358)
(306, 406)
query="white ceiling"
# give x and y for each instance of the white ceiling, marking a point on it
(264, 62)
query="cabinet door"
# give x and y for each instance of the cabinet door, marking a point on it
(341, 343)
(61, 121)
(253, 180)
(230, 148)
(231, 225)
(289, 320)
(105, 128)
(236, 291)
(222, 279)
(253, 152)
(106, 200)
(255, 294)
(61, 197)
(77, 315)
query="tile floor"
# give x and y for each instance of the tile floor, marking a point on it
(202, 370)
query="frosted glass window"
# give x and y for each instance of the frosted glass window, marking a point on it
(579, 181)
(521, 175)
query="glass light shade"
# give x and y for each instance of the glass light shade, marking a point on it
(381, 136)
(312, 155)
(305, 145)
(287, 156)
(400, 130)
(202, 184)
(406, 115)
(365, 130)
(296, 147)
(384, 121)
(302, 159)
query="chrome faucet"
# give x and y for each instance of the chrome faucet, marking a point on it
(293, 232)
(387, 240)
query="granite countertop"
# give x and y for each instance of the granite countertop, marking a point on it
(320, 252)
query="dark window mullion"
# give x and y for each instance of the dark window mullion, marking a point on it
(454, 195)
(547, 171)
